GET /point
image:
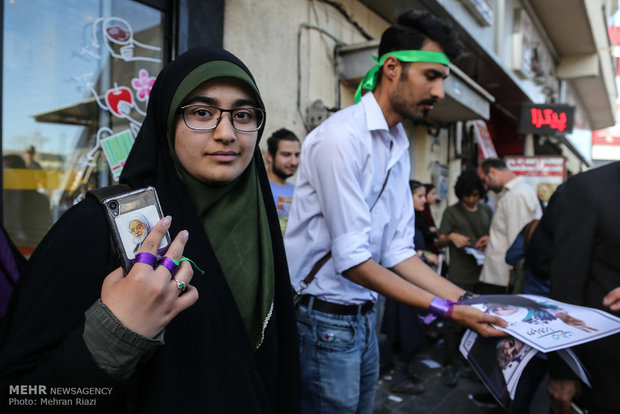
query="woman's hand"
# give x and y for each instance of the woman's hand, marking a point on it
(147, 299)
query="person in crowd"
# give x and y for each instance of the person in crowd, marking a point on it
(517, 205)
(403, 323)
(11, 264)
(282, 161)
(463, 225)
(350, 229)
(234, 349)
(584, 269)
(431, 200)
(516, 256)
(29, 158)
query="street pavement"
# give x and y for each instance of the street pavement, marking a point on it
(437, 397)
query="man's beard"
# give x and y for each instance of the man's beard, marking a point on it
(407, 110)
(139, 238)
(279, 172)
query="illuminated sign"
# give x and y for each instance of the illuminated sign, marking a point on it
(547, 119)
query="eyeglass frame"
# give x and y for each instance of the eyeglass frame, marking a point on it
(219, 118)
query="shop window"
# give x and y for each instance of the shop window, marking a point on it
(76, 78)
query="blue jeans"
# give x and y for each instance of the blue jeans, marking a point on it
(339, 361)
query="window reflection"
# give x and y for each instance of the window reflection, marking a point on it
(76, 81)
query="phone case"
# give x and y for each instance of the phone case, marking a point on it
(131, 216)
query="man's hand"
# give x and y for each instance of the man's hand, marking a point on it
(147, 299)
(612, 300)
(562, 392)
(458, 240)
(478, 321)
(482, 242)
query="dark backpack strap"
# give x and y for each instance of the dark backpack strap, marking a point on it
(104, 192)
(319, 264)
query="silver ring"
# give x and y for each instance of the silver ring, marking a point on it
(180, 285)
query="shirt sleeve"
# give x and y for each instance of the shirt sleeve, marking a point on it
(115, 349)
(447, 220)
(340, 196)
(401, 227)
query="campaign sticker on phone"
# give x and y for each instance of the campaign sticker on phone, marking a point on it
(134, 226)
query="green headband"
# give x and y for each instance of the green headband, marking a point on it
(370, 80)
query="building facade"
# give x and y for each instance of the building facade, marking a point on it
(76, 77)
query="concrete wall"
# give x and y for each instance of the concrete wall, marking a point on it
(272, 36)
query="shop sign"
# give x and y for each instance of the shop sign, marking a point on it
(547, 119)
(543, 173)
(605, 145)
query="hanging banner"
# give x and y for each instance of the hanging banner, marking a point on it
(543, 173)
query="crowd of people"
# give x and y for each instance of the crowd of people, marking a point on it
(224, 331)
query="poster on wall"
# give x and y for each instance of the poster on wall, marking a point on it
(440, 177)
(483, 137)
(543, 173)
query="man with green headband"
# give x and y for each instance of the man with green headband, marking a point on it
(351, 224)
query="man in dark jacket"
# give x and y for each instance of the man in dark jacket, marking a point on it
(584, 267)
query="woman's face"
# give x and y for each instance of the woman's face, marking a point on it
(431, 196)
(220, 155)
(419, 198)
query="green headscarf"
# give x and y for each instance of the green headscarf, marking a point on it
(369, 81)
(233, 215)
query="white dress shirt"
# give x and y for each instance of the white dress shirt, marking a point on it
(344, 163)
(517, 206)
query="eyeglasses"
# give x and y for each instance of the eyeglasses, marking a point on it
(207, 118)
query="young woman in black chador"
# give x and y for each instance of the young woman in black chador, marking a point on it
(233, 349)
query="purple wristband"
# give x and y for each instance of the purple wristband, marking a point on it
(170, 264)
(146, 258)
(441, 307)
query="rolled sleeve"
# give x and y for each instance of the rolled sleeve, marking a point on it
(349, 250)
(116, 349)
(401, 250)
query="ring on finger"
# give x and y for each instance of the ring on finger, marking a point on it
(169, 263)
(180, 285)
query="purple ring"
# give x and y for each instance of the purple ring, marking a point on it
(170, 264)
(146, 258)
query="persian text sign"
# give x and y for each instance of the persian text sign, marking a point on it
(543, 173)
(547, 119)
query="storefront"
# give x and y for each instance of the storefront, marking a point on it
(76, 81)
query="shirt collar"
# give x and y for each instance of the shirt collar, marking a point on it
(374, 115)
(513, 183)
(375, 121)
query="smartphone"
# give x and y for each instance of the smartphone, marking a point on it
(131, 216)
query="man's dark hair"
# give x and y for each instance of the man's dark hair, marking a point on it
(493, 163)
(413, 29)
(273, 142)
(467, 183)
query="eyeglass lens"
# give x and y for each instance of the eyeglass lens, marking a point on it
(202, 117)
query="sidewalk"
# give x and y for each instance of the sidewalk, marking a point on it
(439, 398)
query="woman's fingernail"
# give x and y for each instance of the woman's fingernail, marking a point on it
(185, 234)
(166, 221)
